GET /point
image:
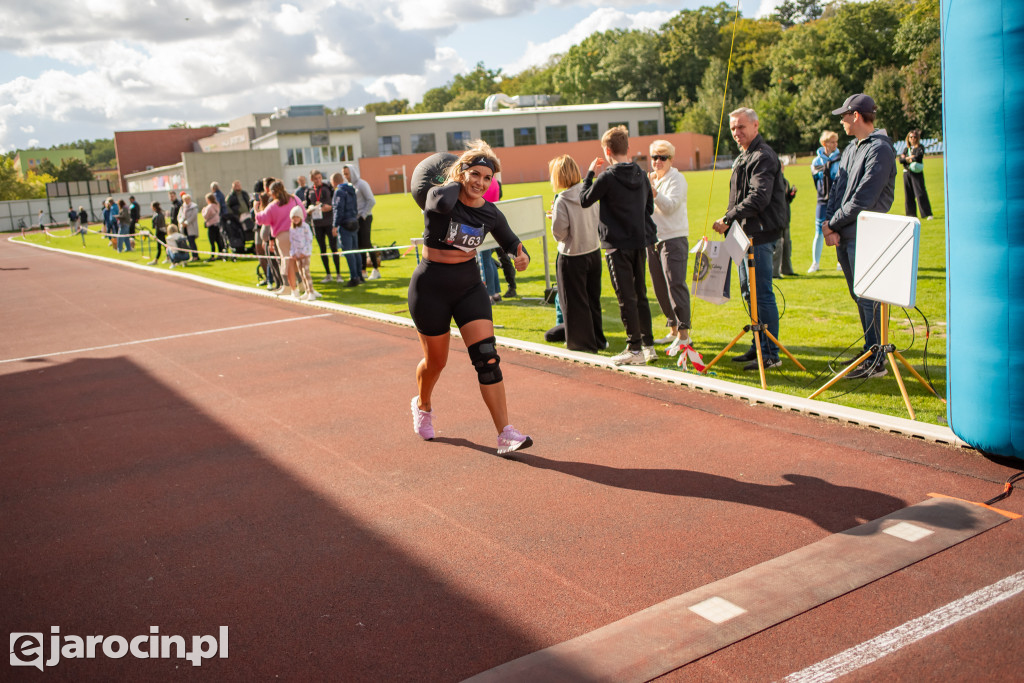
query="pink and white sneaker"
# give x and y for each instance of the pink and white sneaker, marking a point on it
(422, 420)
(510, 440)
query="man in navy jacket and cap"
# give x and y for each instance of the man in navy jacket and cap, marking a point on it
(866, 182)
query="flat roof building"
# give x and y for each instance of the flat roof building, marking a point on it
(525, 135)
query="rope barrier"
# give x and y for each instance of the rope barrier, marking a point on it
(229, 254)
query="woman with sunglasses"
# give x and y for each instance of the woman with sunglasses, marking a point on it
(667, 258)
(446, 285)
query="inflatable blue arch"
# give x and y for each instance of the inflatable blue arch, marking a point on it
(983, 113)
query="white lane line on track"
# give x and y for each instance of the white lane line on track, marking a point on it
(173, 336)
(910, 632)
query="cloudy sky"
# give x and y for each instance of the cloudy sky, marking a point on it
(82, 69)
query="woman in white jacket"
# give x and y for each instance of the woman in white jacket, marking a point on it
(667, 258)
(578, 264)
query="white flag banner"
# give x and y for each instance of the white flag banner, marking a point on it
(737, 243)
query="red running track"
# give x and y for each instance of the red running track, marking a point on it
(266, 478)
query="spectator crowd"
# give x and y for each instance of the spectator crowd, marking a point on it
(636, 216)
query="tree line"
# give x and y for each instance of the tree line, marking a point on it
(99, 154)
(792, 67)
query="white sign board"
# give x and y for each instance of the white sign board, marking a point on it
(525, 216)
(886, 260)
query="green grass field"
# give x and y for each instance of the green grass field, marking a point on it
(819, 320)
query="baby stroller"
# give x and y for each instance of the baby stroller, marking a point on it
(233, 233)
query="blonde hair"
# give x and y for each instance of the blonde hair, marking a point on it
(476, 149)
(663, 147)
(827, 135)
(564, 172)
(916, 134)
(617, 140)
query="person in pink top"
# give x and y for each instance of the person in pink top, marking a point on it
(277, 215)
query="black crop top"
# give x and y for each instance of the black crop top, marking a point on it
(450, 224)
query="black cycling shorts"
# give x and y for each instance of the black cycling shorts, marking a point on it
(441, 292)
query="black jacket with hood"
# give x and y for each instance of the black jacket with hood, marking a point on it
(757, 193)
(626, 206)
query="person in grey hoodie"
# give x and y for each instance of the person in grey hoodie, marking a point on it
(866, 181)
(626, 230)
(578, 264)
(364, 214)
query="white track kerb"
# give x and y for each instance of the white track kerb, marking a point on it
(754, 395)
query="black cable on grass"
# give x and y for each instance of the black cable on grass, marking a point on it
(927, 336)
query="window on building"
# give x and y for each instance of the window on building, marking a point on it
(349, 154)
(647, 127)
(329, 154)
(586, 131)
(389, 145)
(556, 134)
(524, 136)
(624, 124)
(315, 155)
(494, 137)
(457, 139)
(422, 143)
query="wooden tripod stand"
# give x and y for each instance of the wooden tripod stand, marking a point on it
(756, 327)
(890, 351)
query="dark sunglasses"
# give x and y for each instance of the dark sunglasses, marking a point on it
(660, 157)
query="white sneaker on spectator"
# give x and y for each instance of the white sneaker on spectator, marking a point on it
(650, 355)
(374, 274)
(629, 357)
(667, 339)
(337, 278)
(678, 344)
(815, 267)
(327, 279)
(839, 266)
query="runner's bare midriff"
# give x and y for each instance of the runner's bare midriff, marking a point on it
(447, 255)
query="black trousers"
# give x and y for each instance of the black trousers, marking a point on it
(628, 270)
(579, 293)
(216, 239)
(913, 188)
(364, 241)
(323, 238)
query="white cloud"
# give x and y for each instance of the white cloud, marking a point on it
(767, 7)
(602, 19)
(438, 71)
(131, 64)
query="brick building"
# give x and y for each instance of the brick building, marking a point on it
(141, 150)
